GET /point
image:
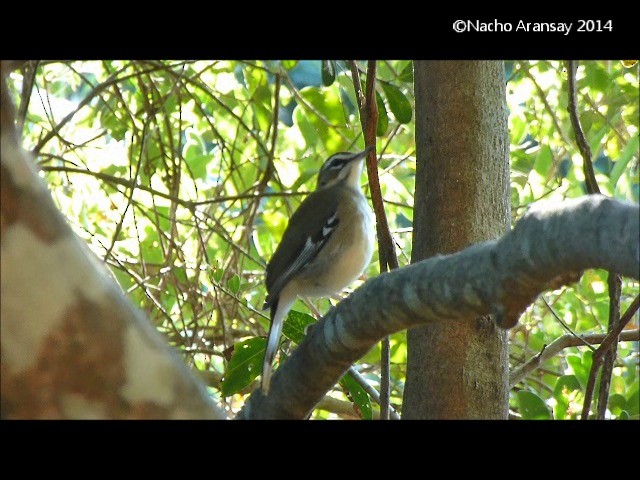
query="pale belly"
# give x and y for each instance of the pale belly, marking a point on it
(349, 257)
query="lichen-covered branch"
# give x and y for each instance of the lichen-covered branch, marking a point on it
(72, 345)
(550, 245)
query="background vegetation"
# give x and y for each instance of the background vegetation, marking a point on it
(181, 176)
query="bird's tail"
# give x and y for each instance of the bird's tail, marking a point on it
(279, 309)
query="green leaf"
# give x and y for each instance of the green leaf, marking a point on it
(234, 283)
(295, 325)
(543, 160)
(217, 274)
(617, 403)
(581, 373)
(633, 401)
(518, 129)
(358, 396)
(328, 72)
(289, 64)
(198, 165)
(532, 407)
(407, 73)
(383, 118)
(621, 163)
(565, 386)
(398, 103)
(244, 366)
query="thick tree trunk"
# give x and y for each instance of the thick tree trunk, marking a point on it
(460, 370)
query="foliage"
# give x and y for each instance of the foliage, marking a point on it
(181, 175)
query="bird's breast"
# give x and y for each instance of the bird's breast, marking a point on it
(349, 251)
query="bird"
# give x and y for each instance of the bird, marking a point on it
(326, 245)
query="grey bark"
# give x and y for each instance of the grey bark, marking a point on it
(459, 370)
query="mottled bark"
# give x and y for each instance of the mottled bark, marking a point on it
(72, 346)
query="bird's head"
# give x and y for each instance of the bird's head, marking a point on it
(342, 167)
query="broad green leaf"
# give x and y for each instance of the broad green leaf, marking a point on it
(289, 64)
(407, 73)
(398, 103)
(328, 72)
(295, 325)
(633, 400)
(244, 366)
(198, 165)
(358, 396)
(617, 403)
(621, 163)
(565, 386)
(518, 129)
(383, 118)
(234, 283)
(543, 160)
(581, 373)
(218, 274)
(532, 407)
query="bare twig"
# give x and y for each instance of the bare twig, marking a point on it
(185, 203)
(614, 279)
(559, 344)
(386, 248)
(565, 326)
(615, 292)
(607, 344)
(375, 396)
(30, 70)
(581, 140)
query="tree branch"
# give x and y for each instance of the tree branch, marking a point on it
(600, 354)
(559, 344)
(546, 248)
(614, 281)
(386, 248)
(73, 346)
(581, 140)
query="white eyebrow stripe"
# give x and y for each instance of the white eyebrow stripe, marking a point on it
(332, 161)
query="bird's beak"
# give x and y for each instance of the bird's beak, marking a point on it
(363, 153)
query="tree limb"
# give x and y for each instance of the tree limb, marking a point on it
(559, 344)
(600, 354)
(550, 244)
(73, 346)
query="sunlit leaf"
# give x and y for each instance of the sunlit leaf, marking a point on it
(358, 396)
(245, 365)
(623, 160)
(295, 324)
(234, 283)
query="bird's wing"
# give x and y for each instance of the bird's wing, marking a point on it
(308, 231)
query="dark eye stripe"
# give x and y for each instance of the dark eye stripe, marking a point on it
(337, 161)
